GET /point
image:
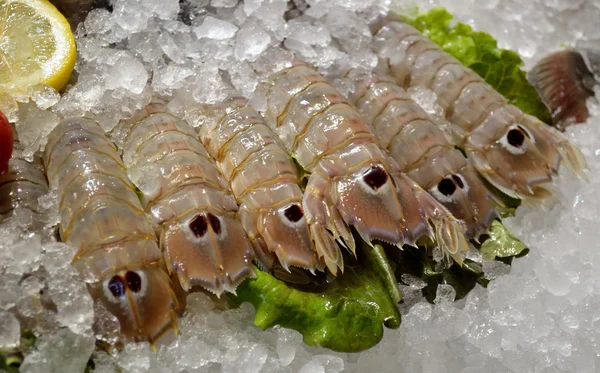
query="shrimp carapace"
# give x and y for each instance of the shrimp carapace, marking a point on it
(565, 81)
(188, 202)
(265, 182)
(101, 216)
(421, 149)
(515, 152)
(22, 185)
(352, 181)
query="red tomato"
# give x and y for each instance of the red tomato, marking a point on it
(6, 143)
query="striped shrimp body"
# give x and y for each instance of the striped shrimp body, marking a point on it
(421, 149)
(22, 185)
(350, 182)
(265, 182)
(189, 203)
(515, 152)
(101, 216)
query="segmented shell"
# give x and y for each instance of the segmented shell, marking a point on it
(265, 183)
(101, 216)
(351, 181)
(515, 152)
(421, 149)
(22, 185)
(189, 203)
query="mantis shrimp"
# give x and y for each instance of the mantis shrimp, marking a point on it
(188, 202)
(352, 182)
(266, 184)
(515, 152)
(421, 149)
(101, 215)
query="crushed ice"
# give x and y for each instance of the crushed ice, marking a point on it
(540, 315)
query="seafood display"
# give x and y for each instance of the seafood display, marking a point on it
(565, 81)
(352, 181)
(22, 185)
(290, 167)
(265, 183)
(515, 152)
(101, 216)
(421, 149)
(188, 202)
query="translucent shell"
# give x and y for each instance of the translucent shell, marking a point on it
(515, 152)
(101, 216)
(352, 181)
(188, 202)
(421, 149)
(265, 182)
(22, 185)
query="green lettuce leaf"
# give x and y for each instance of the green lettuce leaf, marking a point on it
(346, 315)
(479, 51)
(501, 243)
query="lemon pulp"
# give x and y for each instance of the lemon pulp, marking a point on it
(36, 45)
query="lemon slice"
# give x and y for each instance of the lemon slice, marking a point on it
(36, 45)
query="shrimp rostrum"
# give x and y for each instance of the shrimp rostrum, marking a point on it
(515, 152)
(101, 216)
(421, 149)
(188, 202)
(352, 181)
(265, 182)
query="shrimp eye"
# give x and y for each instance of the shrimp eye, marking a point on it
(293, 213)
(446, 187)
(458, 181)
(134, 281)
(199, 225)
(116, 286)
(215, 223)
(515, 137)
(375, 177)
(524, 131)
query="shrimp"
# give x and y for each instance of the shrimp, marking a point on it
(421, 149)
(515, 152)
(188, 202)
(22, 185)
(265, 183)
(565, 80)
(101, 216)
(352, 181)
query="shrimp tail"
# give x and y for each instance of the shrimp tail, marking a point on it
(326, 225)
(447, 231)
(564, 82)
(574, 160)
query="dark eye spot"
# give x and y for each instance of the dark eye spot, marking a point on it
(134, 281)
(375, 177)
(447, 187)
(293, 213)
(458, 181)
(199, 225)
(215, 223)
(515, 137)
(116, 286)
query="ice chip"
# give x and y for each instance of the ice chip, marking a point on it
(62, 351)
(127, 73)
(288, 342)
(251, 40)
(10, 331)
(445, 294)
(43, 95)
(213, 28)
